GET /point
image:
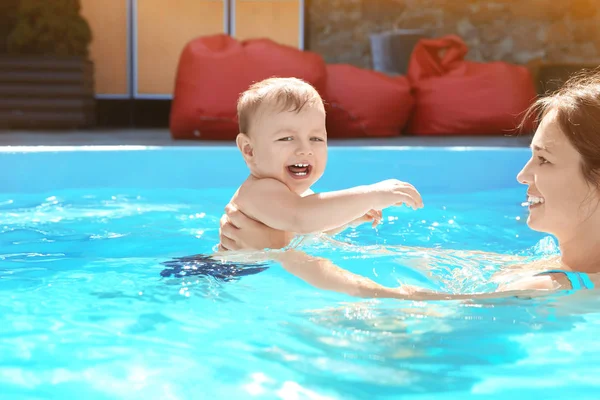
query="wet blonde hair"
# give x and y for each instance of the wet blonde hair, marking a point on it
(285, 94)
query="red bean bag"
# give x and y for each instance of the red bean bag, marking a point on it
(273, 59)
(365, 103)
(458, 97)
(214, 70)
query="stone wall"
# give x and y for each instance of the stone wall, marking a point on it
(517, 31)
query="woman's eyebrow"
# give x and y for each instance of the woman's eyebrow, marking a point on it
(540, 148)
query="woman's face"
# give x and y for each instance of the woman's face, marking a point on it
(562, 201)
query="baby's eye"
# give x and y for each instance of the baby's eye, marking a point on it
(285, 139)
(543, 160)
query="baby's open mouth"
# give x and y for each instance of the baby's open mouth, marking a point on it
(299, 170)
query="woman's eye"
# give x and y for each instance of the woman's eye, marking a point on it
(317, 139)
(285, 139)
(542, 160)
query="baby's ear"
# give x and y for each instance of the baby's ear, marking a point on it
(245, 145)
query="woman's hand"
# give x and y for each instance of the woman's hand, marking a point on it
(239, 232)
(541, 282)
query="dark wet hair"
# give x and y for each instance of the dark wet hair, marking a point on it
(577, 107)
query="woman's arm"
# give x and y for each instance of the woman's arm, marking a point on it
(323, 274)
(238, 232)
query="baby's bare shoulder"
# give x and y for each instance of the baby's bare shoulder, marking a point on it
(241, 193)
(254, 189)
(253, 183)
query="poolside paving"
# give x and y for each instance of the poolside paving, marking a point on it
(161, 137)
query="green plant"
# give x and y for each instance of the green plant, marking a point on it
(50, 27)
(8, 15)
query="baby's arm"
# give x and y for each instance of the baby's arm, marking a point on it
(272, 203)
(373, 216)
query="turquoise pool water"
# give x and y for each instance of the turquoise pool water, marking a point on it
(85, 312)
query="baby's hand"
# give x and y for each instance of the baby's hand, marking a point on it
(375, 216)
(395, 192)
(372, 216)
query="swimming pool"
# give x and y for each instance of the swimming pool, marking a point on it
(86, 312)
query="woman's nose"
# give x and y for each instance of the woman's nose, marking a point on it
(524, 176)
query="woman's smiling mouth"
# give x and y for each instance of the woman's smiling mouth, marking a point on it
(534, 201)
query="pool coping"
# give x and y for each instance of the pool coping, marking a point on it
(161, 138)
(125, 148)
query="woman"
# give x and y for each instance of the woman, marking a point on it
(563, 190)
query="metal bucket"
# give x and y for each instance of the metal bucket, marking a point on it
(390, 51)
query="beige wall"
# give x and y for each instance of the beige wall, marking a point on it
(108, 50)
(164, 27)
(163, 31)
(278, 20)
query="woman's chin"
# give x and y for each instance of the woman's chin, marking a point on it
(535, 224)
(535, 217)
(533, 227)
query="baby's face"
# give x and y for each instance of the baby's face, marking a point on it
(290, 146)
